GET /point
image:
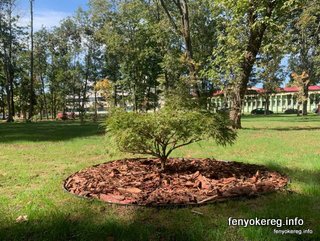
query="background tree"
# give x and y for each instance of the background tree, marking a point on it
(129, 35)
(41, 53)
(302, 82)
(193, 22)
(32, 100)
(182, 28)
(305, 42)
(242, 29)
(9, 32)
(269, 71)
(2, 91)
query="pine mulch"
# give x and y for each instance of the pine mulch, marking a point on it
(184, 182)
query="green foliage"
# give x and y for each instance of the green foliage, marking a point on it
(238, 24)
(133, 53)
(159, 133)
(144, 53)
(305, 40)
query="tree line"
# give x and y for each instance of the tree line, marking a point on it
(148, 50)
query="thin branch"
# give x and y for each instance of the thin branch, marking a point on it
(170, 17)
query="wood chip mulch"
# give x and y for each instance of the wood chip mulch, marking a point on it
(184, 182)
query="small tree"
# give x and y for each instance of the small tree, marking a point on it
(105, 87)
(160, 133)
(302, 82)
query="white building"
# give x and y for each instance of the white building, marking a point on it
(281, 100)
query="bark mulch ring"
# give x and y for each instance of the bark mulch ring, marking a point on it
(184, 182)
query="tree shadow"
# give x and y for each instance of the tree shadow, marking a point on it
(295, 174)
(159, 224)
(294, 128)
(88, 225)
(47, 131)
(282, 118)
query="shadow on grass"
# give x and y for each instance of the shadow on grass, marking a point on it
(295, 174)
(47, 131)
(78, 225)
(294, 128)
(165, 224)
(282, 118)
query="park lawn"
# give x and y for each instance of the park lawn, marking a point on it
(35, 158)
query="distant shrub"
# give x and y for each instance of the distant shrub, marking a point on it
(159, 133)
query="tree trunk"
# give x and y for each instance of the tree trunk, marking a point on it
(163, 163)
(115, 95)
(84, 93)
(155, 102)
(306, 98)
(44, 97)
(32, 94)
(266, 105)
(3, 106)
(188, 44)
(74, 101)
(52, 103)
(135, 98)
(9, 119)
(54, 106)
(13, 112)
(95, 106)
(236, 100)
(79, 103)
(41, 112)
(3, 113)
(298, 109)
(252, 49)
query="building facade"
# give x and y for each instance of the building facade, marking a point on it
(280, 101)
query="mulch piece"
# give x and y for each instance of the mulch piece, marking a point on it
(185, 181)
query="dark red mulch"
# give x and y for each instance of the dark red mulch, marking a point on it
(185, 181)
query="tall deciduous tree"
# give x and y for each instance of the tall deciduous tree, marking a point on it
(129, 36)
(41, 54)
(269, 70)
(242, 29)
(10, 46)
(305, 42)
(302, 82)
(31, 93)
(180, 8)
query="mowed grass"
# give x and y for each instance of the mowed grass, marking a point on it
(35, 158)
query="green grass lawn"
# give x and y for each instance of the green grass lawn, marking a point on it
(35, 158)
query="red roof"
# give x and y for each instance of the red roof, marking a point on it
(279, 90)
(314, 87)
(290, 89)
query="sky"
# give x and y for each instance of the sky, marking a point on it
(48, 13)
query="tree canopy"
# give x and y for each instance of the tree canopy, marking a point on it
(149, 49)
